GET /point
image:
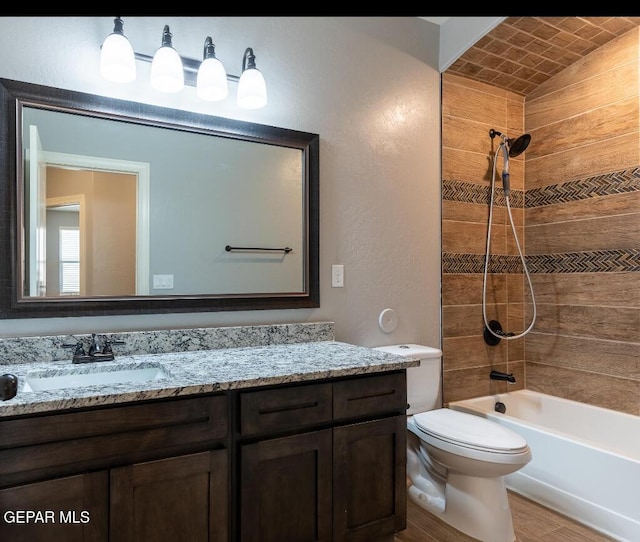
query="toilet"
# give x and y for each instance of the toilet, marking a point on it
(456, 462)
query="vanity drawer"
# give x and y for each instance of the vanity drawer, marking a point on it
(70, 442)
(283, 409)
(371, 395)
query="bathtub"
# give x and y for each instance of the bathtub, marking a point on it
(586, 459)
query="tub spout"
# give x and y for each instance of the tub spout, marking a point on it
(497, 375)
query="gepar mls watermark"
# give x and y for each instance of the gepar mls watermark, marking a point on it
(79, 517)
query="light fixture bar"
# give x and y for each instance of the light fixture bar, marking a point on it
(190, 67)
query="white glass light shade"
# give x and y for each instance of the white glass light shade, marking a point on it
(117, 60)
(167, 74)
(211, 83)
(252, 90)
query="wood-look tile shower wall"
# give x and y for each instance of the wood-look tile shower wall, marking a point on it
(469, 111)
(583, 229)
(581, 235)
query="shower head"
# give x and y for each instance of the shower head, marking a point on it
(516, 146)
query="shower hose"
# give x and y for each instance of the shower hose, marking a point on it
(501, 334)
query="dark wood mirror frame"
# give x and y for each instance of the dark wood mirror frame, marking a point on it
(12, 305)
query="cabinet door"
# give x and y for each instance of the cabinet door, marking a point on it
(285, 489)
(179, 498)
(72, 509)
(369, 479)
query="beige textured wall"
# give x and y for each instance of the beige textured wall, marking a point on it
(582, 233)
(367, 85)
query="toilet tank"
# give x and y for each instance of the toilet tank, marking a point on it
(423, 382)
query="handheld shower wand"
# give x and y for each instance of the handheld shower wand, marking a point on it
(506, 185)
(510, 148)
(522, 141)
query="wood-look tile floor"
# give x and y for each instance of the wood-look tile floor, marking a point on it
(531, 522)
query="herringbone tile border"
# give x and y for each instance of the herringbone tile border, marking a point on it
(474, 263)
(608, 184)
(599, 261)
(466, 192)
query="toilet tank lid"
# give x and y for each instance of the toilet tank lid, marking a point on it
(413, 350)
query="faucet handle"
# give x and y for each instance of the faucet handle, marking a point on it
(78, 348)
(106, 349)
(79, 354)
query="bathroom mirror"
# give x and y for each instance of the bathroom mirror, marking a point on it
(116, 207)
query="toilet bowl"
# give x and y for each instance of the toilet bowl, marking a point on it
(456, 462)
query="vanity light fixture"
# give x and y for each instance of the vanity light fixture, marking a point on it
(117, 59)
(170, 72)
(252, 90)
(211, 83)
(167, 73)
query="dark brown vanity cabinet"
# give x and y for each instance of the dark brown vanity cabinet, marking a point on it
(303, 462)
(71, 509)
(177, 498)
(286, 489)
(323, 462)
(369, 492)
(147, 472)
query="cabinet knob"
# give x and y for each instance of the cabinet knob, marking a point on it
(8, 387)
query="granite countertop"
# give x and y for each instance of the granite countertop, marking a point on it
(201, 371)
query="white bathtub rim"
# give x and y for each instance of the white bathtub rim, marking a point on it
(471, 405)
(591, 509)
(598, 518)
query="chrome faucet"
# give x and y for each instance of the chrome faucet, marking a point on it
(100, 349)
(497, 375)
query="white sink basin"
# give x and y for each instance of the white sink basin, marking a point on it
(91, 376)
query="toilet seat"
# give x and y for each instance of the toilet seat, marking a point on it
(469, 431)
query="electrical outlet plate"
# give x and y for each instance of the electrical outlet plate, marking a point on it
(162, 282)
(337, 276)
